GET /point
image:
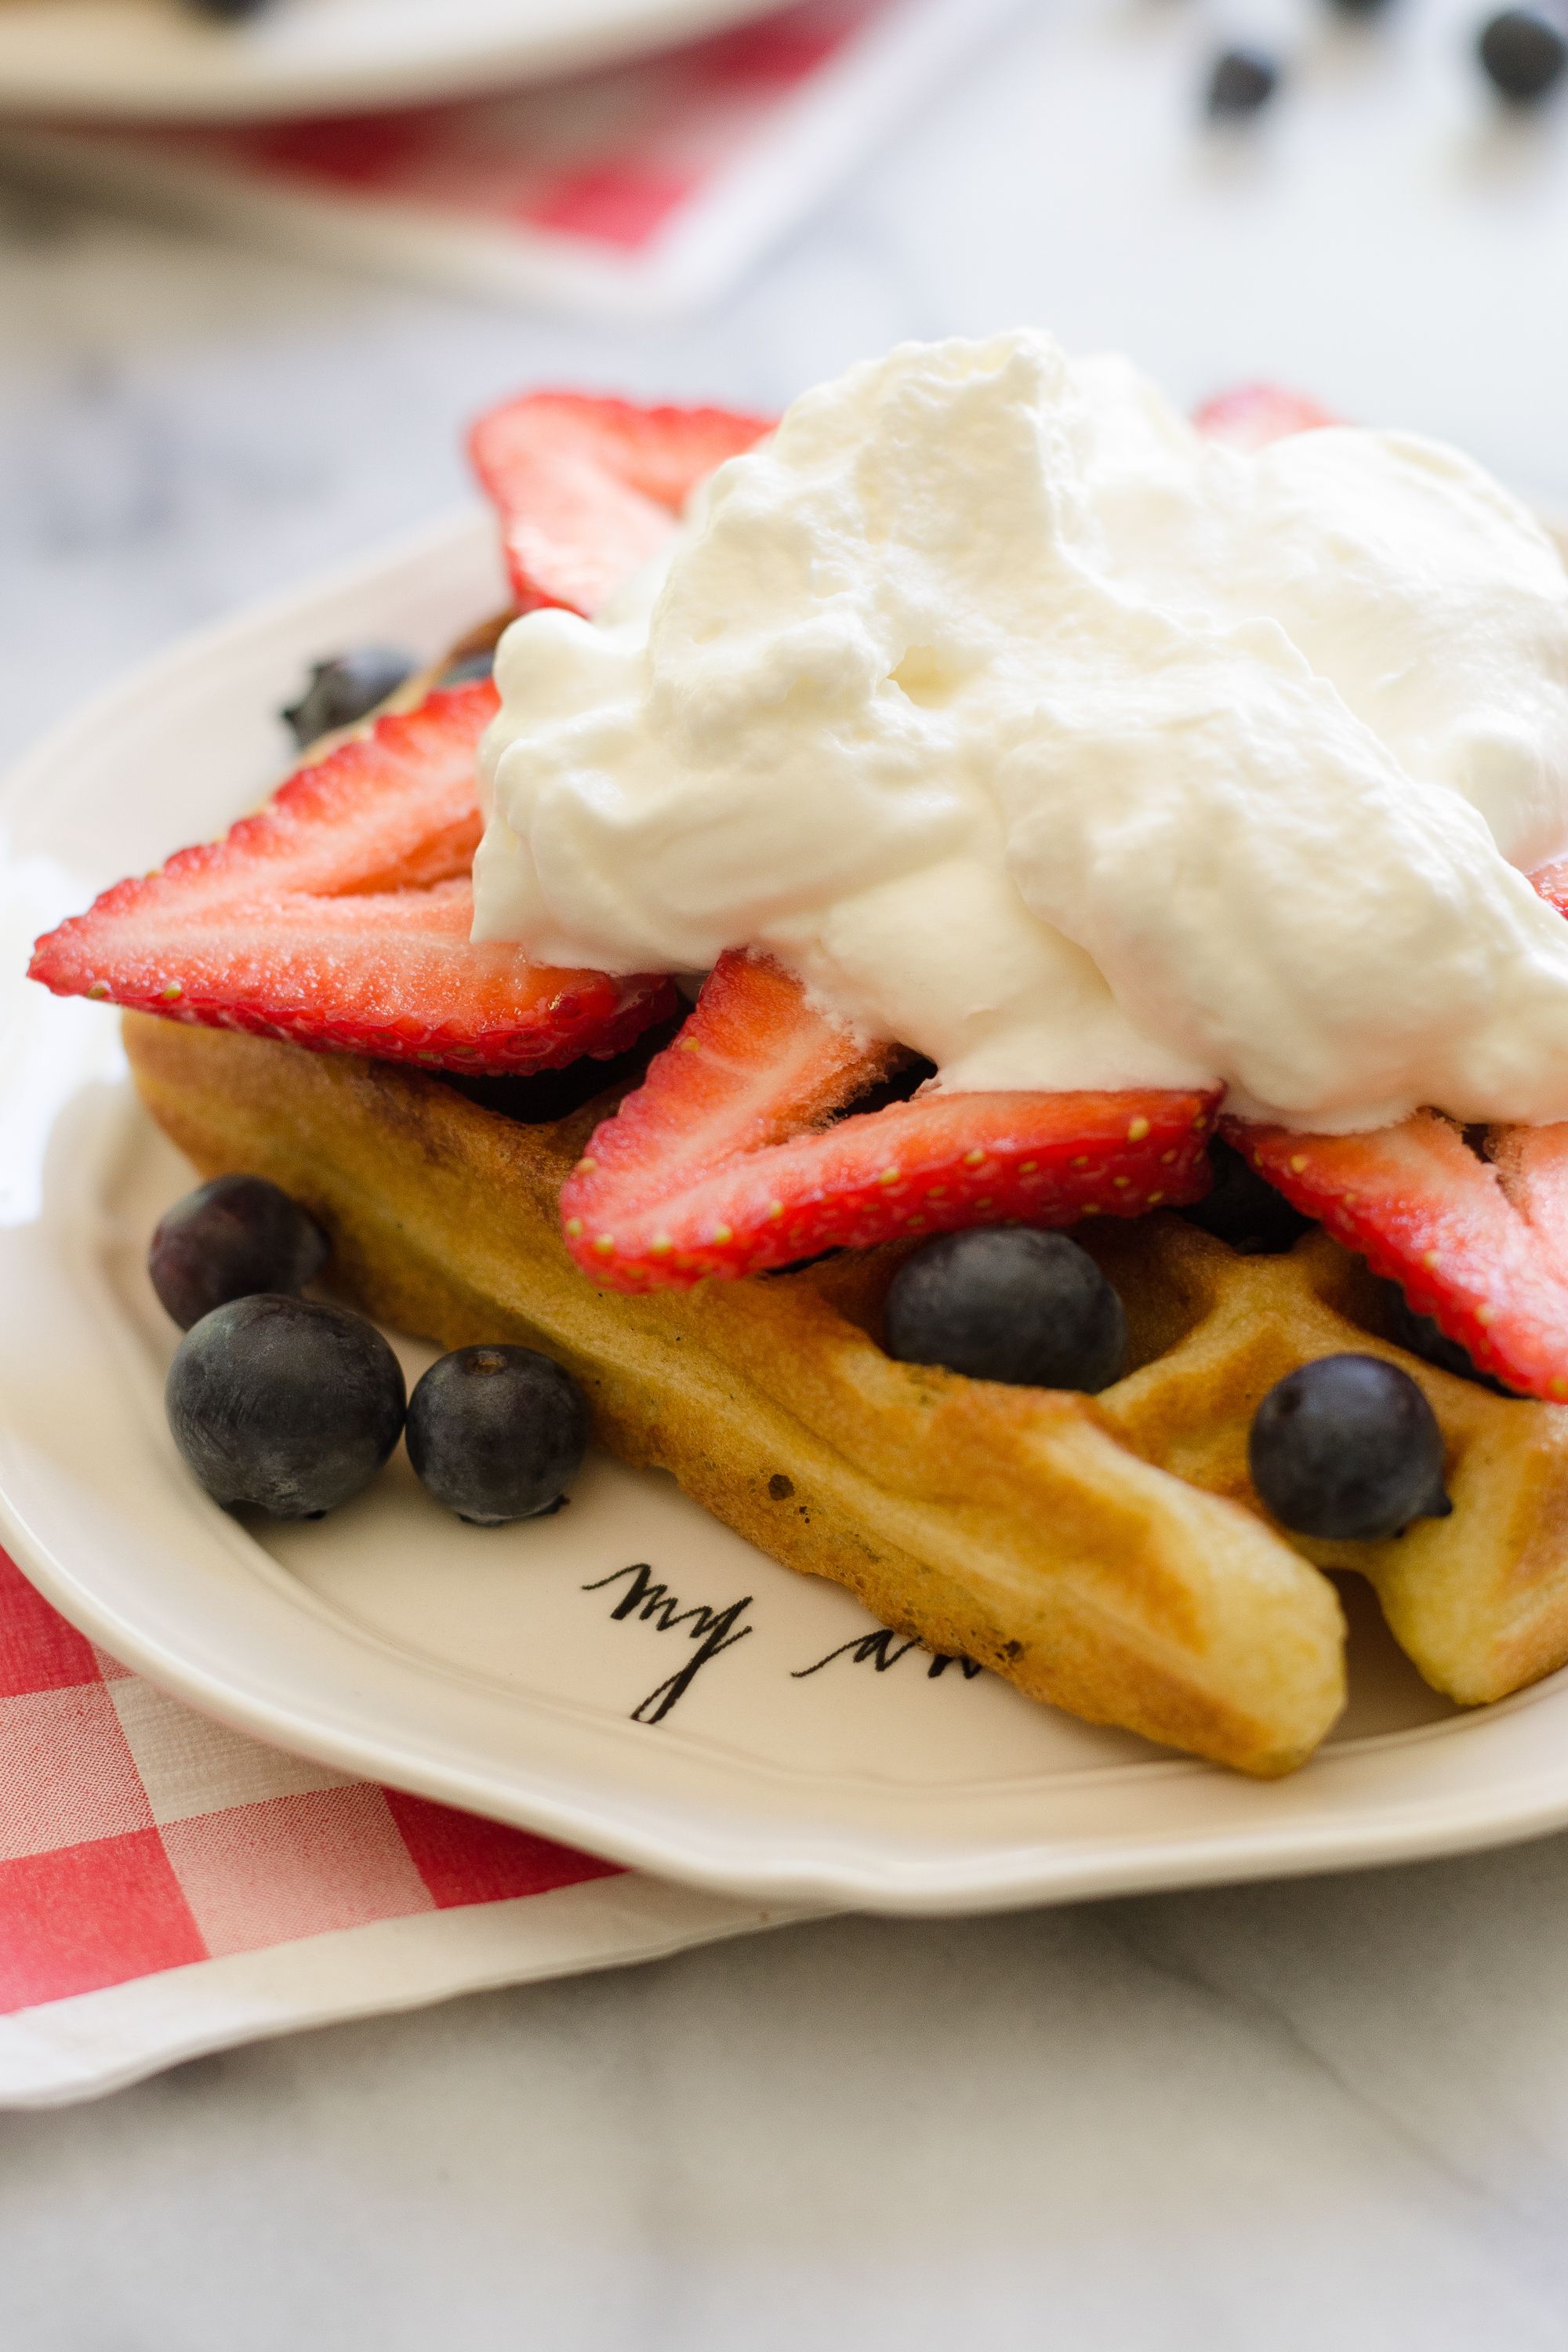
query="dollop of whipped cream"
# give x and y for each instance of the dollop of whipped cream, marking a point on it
(1040, 734)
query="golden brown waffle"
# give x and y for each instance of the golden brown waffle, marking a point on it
(1106, 1554)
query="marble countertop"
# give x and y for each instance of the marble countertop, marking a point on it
(1327, 2113)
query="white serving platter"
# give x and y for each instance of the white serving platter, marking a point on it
(778, 1747)
(130, 60)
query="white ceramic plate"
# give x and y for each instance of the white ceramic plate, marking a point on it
(138, 59)
(492, 1668)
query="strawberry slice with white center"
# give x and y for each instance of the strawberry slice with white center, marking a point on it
(339, 915)
(588, 489)
(1251, 416)
(1550, 883)
(1480, 1243)
(722, 1162)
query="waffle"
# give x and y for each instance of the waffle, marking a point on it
(1107, 1554)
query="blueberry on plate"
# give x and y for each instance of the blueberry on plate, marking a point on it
(284, 1403)
(1007, 1303)
(1240, 82)
(346, 689)
(228, 1238)
(1522, 53)
(1348, 1446)
(497, 1434)
(1244, 1209)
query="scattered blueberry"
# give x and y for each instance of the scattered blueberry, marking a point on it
(1348, 1446)
(1522, 52)
(1359, 7)
(1421, 1336)
(1007, 1303)
(497, 1434)
(1240, 81)
(229, 1238)
(1244, 1209)
(284, 1403)
(227, 12)
(346, 689)
(468, 667)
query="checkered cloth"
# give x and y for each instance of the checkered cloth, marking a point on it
(606, 160)
(167, 1886)
(644, 188)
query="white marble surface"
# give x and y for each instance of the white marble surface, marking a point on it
(1333, 2113)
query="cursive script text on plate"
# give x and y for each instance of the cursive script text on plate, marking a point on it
(711, 1629)
(883, 1649)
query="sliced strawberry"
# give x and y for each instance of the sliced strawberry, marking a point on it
(1252, 414)
(1552, 883)
(1480, 1244)
(722, 1162)
(588, 489)
(339, 917)
(1531, 1165)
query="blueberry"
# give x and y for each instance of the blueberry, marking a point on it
(284, 1403)
(1240, 81)
(497, 1434)
(1244, 1209)
(468, 667)
(1522, 52)
(227, 12)
(1422, 1337)
(1007, 1303)
(1348, 1446)
(228, 1238)
(346, 689)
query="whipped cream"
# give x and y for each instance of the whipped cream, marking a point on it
(1037, 733)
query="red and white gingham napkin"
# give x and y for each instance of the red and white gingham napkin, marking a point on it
(641, 190)
(168, 1886)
